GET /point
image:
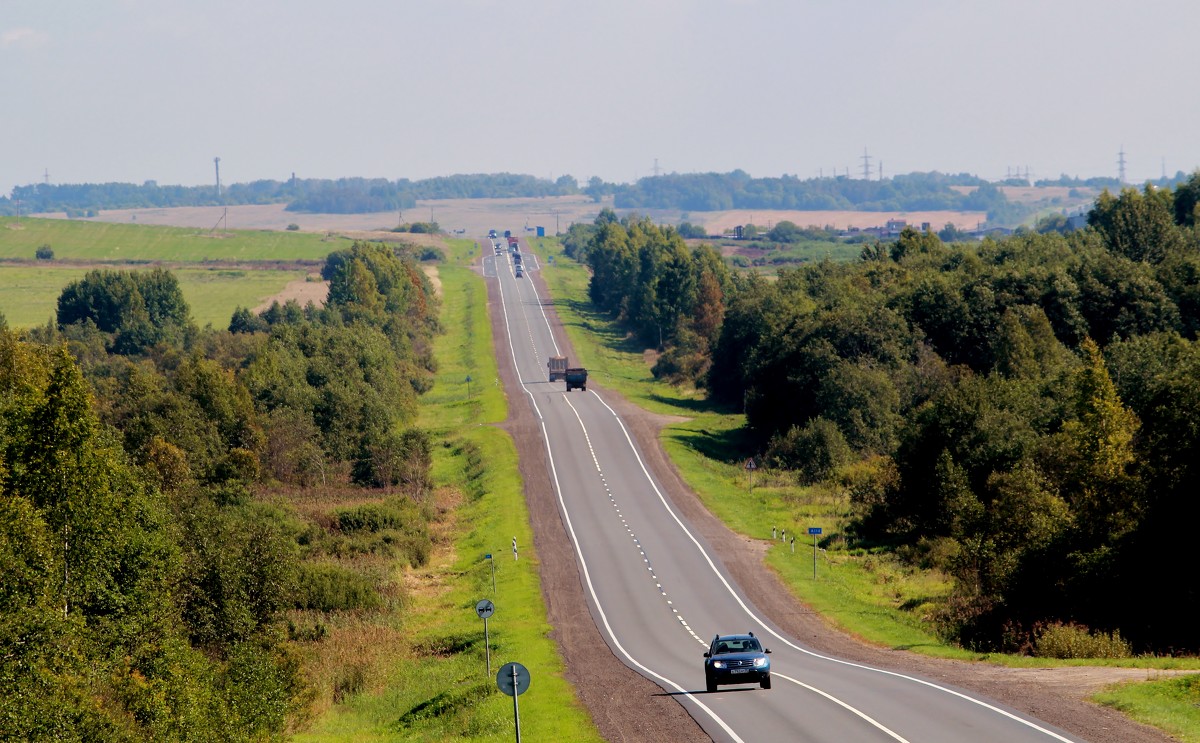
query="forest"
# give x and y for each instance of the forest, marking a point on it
(340, 196)
(1018, 413)
(147, 578)
(737, 190)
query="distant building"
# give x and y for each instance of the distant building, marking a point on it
(894, 227)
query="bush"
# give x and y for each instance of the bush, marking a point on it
(331, 587)
(293, 227)
(44, 253)
(1058, 640)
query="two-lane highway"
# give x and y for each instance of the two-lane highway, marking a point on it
(658, 593)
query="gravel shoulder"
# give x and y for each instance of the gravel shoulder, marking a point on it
(627, 707)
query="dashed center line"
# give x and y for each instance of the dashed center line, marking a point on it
(636, 542)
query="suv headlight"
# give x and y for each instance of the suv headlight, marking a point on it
(718, 664)
(760, 662)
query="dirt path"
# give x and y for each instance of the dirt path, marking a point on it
(627, 707)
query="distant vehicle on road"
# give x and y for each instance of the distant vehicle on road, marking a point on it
(736, 659)
(492, 234)
(576, 377)
(558, 368)
(519, 274)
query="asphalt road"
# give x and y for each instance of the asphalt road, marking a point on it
(658, 594)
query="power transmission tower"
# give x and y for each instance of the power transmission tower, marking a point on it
(1121, 166)
(866, 165)
(217, 165)
(657, 170)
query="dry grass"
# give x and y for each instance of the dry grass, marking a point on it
(716, 223)
(303, 291)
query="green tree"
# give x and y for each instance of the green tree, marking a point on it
(1139, 226)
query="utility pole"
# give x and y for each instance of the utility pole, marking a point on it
(866, 165)
(1121, 166)
(217, 165)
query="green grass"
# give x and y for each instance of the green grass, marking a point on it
(29, 294)
(107, 242)
(438, 688)
(1172, 705)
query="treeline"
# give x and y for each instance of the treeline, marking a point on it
(1019, 413)
(737, 190)
(146, 583)
(340, 196)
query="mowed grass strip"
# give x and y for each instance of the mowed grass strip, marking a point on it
(106, 242)
(29, 294)
(434, 684)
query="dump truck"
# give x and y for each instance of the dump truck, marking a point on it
(558, 368)
(576, 377)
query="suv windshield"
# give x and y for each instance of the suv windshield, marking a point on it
(737, 645)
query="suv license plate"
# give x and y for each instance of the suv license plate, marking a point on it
(739, 670)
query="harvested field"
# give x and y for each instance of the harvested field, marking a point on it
(717, 223)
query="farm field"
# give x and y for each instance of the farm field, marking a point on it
(29, 294)
(77, 240)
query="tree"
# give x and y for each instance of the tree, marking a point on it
(1139, 226)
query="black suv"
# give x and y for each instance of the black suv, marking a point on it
(736, 659)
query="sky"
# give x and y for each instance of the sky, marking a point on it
(135, 90)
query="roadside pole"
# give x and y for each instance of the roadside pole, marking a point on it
(485, 609)
(815, 531)
(493, 564)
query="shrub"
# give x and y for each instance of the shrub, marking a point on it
(331, 587)
(1058, 640)
(44, 253)
(293, 227)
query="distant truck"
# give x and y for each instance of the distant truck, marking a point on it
(558, 368)
(576, 377)
(517, 258)
(512, 241)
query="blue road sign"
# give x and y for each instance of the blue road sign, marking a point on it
(814, 530)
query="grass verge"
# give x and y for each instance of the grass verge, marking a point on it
(417, 673)
(1172, 705)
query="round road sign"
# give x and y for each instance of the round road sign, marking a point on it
(504, 679)
(485, 609)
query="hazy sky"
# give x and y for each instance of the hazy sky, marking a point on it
(133, 90)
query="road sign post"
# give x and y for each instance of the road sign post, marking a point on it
(468, 386)
(816, 532)
(485, 609)
(493, 565)
(750, 467)
(513, 680)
